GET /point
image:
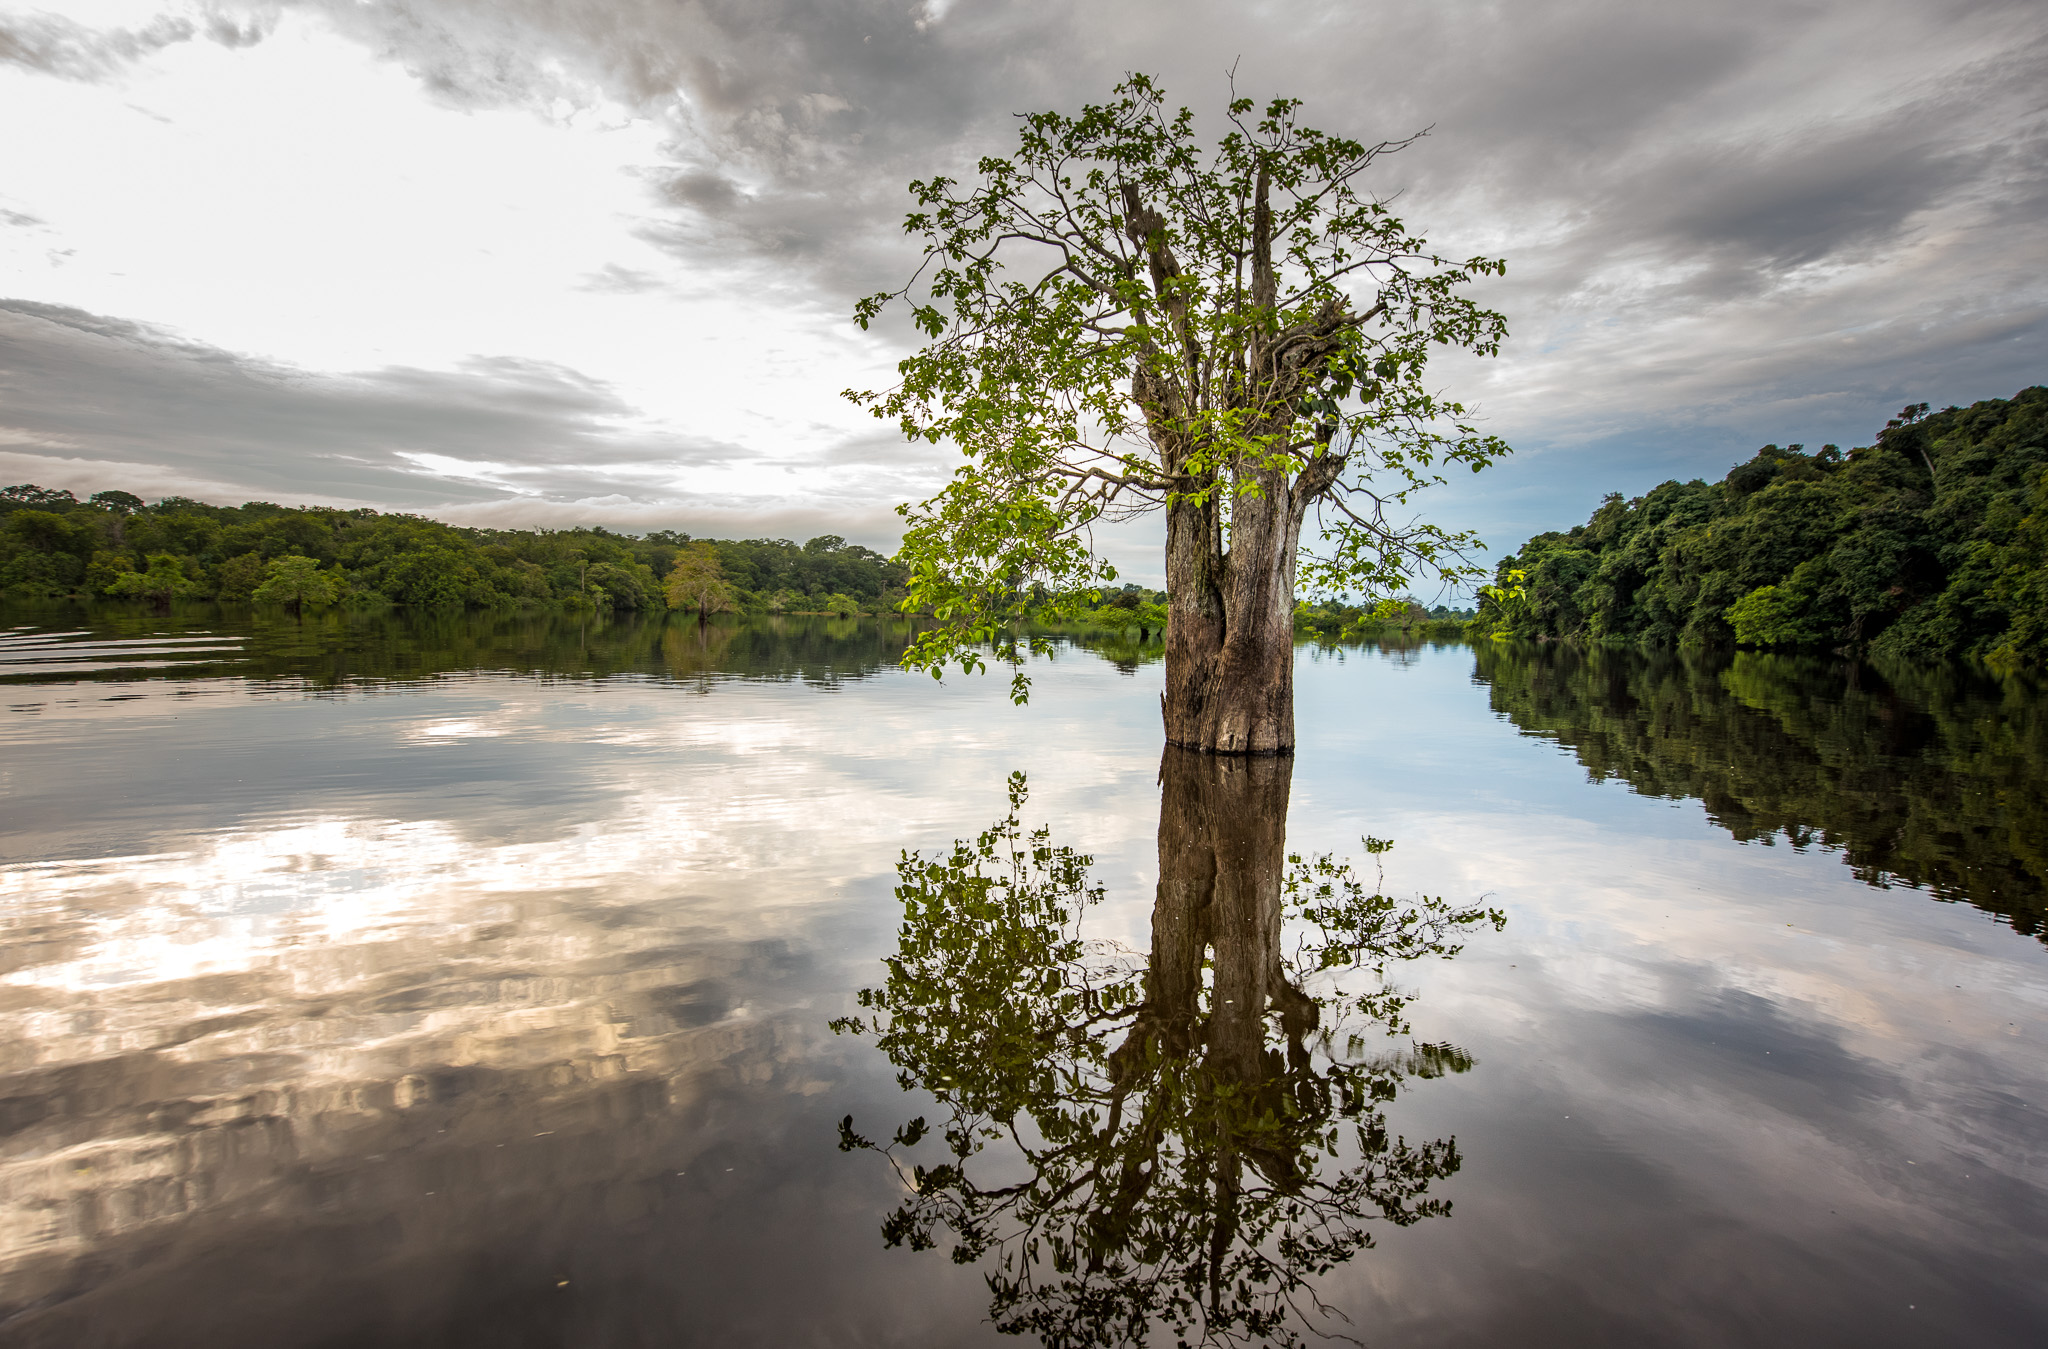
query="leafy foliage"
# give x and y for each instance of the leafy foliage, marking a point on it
(52, 545)
(696, 582)
(295, 581)
(1120, 320)
(1932, 541)
(163, 581)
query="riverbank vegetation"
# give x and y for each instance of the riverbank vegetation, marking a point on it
(54, 546)
(1931, 542)
(113, 545)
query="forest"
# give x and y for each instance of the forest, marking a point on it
(113, 544)
(1933, 541)
(53, 546)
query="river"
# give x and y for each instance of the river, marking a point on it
(554, 979)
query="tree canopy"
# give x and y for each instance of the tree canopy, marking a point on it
(697, 582)
(53, 545)
(294, 581)
(1121, 320)
(1931, 541)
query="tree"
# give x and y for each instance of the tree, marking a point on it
(622, 587)
(1770, 616)
(238, 577)
(1401, 611)
(163, 582)
(294, 582)
(28, 494)
(435, 576)
(696, 581)
(1122, 322)
(120, 503)
(1162, 1148)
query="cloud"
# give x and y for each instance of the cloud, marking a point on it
(50, 44)
(1723, 226)
(53, 45)
(117, 391)
(1692, 157)
(612, 279)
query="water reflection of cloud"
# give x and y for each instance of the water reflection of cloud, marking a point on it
(611, 911)
(574, 888)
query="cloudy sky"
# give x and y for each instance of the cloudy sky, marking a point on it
(554, 261)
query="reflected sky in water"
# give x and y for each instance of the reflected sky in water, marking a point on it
(469, 984)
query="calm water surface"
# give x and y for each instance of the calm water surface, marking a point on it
(473, 980)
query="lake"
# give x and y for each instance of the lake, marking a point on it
(558, 980)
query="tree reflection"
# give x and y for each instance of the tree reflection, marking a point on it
(1927, 774)
(1182, 1141)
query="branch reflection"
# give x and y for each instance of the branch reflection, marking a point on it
(1176, 1141)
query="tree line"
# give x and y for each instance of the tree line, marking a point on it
(54, 546)
(1931, 542)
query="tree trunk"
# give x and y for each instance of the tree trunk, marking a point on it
(1230, 631)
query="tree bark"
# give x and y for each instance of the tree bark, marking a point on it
(1230, 630)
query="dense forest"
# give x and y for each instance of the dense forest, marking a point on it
(54, 546)
(1932, 541)
(1928, 773)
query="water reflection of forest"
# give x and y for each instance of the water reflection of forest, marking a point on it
(1934, 776)
(340, 646)
(1930, 775)
(337, 646)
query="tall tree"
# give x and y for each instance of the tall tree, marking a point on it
(1121, 321)
(696, 581)
(294, 581)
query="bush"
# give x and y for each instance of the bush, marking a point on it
(1769, 616)
(295, 581)
(163, 582)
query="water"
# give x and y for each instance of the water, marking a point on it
(472, 980)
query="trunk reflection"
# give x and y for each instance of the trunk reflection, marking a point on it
(1181, 1138)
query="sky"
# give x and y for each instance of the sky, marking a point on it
(553, 262)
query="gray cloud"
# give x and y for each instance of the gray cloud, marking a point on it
(87, 388)
(53, 45)
(612, 279)
(1725, 225)
(50, 44)
(1731, 148)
